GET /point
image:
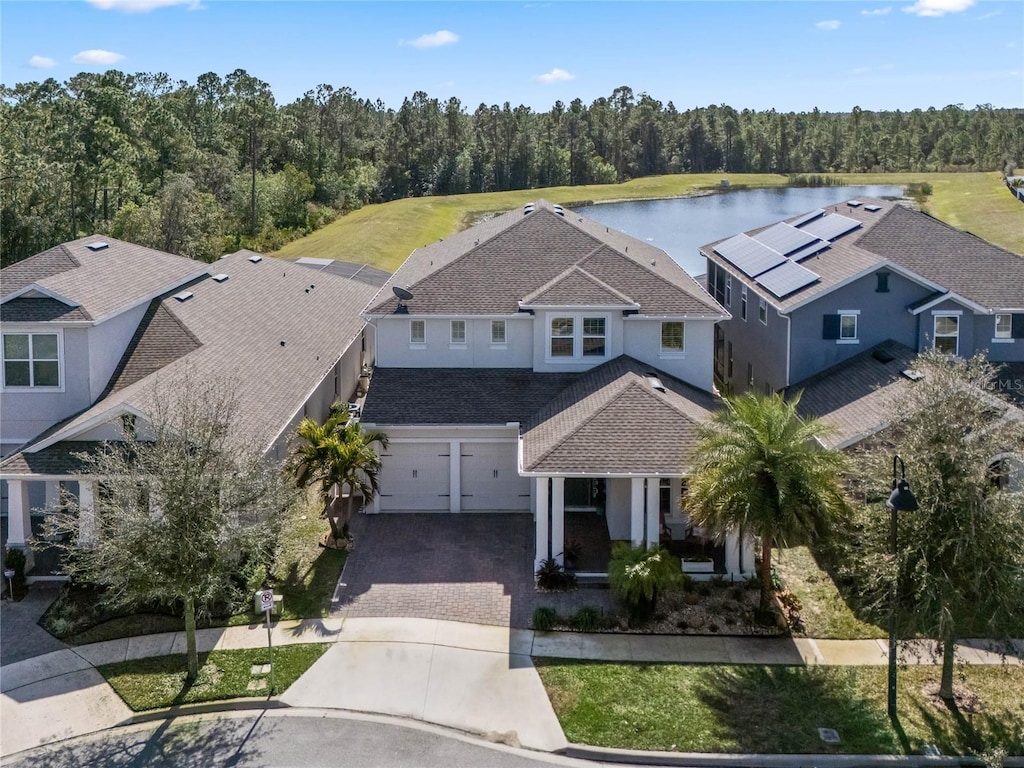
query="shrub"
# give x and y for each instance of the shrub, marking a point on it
(586, 619)
(919, 190)
(637, 575)
(552, 576)
(544, 618)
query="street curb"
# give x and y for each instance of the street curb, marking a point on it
(706, 760)
(206, 708)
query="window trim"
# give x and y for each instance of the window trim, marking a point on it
(956, 315)
(413, 341)
(728, 291)
(743, 303)
(762, 310)
(1007, 336)
(843, 315)
(577, 319)
(31, 388)
(503, 342)
(452, 340)
(671, 351)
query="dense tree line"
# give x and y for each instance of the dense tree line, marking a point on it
(200, 168)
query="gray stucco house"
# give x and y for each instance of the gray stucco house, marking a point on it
(90, 326)
(813, 291)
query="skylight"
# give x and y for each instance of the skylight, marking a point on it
(256, 258)
(97, 246)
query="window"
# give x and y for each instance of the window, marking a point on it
(1004, 325)
(947, 334)
(728, 360)
(743, 303)
(417, 332)
(593, 337)
(562, 337)
(883, 282)
(728, 291)
(498, 332)
(31, 360)
(458, 332)
(762, 311)
(672, 336)
(847, 327)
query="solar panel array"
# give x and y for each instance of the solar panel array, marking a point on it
(808, 217)
(786, 278)
(785, 238)
(831, 226)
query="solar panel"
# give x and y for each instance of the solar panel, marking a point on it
(805, 253)
(831, 226)
(750, 256)
(786, 278)
(807, 217)
(785, 238)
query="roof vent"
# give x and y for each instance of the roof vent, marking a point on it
(883, 356)
(255, 258)
(655, 382)
(183, 296)
(854, 203)
(559, 210)
(913, 375)
(872, 208)
(220, 278)
(100, 246)
(527, 209)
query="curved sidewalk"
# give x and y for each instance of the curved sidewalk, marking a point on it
(407, 668)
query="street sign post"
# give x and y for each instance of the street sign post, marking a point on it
(266, 598)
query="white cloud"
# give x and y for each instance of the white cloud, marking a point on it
(141, 6)
(96, 56)
(938, 7)
(41, 62)
(554, 76)
(830, 24)
(434, 39)
(860, 70)
(878, 11)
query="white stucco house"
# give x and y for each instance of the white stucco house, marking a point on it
(91, 325)
(544, 364)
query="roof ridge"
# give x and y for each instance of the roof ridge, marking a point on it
(575, 268)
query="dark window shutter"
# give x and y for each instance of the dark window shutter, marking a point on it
(830, 327)
(883, 282)
(1017, 326)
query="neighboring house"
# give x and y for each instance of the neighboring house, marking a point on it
(90, 326)
(543, 363)
(816, 290)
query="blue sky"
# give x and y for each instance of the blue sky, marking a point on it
(756, 54)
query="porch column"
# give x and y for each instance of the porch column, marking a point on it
(636, 511)
(543, 551)
(86, 512)
(747, 555)
(733, 553)
(19, 519)
(675, 488)
(558, 518)
(455, 476)
(52, 493)
(653, 512)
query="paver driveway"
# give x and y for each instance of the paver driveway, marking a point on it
(468, 567)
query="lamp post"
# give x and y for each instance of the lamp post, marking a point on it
(900, 500)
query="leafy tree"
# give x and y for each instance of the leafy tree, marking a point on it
(182, 509)
(960, 558)
(337, 453)
(758, 468)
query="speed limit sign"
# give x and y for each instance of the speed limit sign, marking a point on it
(266, 600)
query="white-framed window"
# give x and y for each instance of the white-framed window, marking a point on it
(1004, 327)
(577, 336)
(743, 303)
(498, 332)
(728, 291)
(417, 332)
(947, 334)
(458, 333)
(672, 337)
(762, 311)
(32, 360)
(848, 326)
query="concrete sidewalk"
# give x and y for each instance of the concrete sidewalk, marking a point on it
(472, 677)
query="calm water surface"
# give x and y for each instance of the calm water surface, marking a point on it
(679, 227)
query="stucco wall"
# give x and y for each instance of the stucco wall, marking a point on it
(998, 350)
(107, 343)
(642, 340)
(395, 351)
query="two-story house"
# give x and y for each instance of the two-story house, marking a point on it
(90, 326)
(542, 363)
(813, 291)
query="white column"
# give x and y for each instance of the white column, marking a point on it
(675, 485)
(732, 553)
(541, 521)
(558, 518)
(636, 511)
(653, 510)
(455, 476)
(747, 555)
(19, 519)
(86, 512)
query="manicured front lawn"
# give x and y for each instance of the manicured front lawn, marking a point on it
(159, 682)
(776, 709)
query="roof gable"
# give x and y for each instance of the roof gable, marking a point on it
(577, 287)
(23, 273)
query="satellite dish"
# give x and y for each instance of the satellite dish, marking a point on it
(401, 293)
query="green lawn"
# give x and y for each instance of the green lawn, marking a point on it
(159, 682)
(776, 709)
(384, 235)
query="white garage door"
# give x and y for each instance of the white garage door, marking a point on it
(490, 482)
(414, 477)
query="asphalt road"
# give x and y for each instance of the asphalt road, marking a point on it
(281, 739)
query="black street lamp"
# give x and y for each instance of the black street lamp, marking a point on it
(900, 500)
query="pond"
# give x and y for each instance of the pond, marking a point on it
(680, 226)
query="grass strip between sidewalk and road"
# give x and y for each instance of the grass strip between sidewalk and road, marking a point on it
(159, 682)
(778, 709)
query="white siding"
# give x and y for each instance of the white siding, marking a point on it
(695, 366)
(395, 351)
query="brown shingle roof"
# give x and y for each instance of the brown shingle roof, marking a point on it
(491, 267)
(577, 287)
(59, 459)
(42, 310)
(35, 268)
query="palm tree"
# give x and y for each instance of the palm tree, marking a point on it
(336, 453)
(760, 469)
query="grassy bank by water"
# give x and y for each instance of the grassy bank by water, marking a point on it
(384, 235)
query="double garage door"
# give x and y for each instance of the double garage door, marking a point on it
(416, 477)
